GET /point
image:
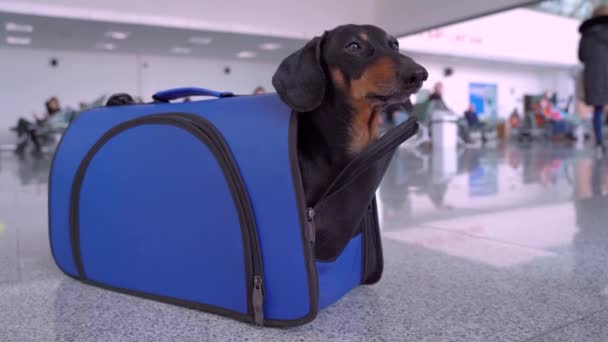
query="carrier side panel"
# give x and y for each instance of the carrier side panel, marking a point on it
(257, 131)
(157, 217)
(77, 140)
(338, 277)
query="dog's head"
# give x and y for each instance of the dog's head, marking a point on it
(359, 65)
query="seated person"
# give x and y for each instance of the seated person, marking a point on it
(259, 90)
(52, 108)
(473, 121)
(471, 116)
(555, 118)
(514, 119)
(26, 130)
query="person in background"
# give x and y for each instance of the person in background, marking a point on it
(436, 103)
(514, 119)
(437, 93)
(26, 130)
(52, 107)
(436, 98)
(593, 52)
(259, 90)
(470, 115)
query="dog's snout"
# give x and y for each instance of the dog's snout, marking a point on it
(414, 77)
(420, 75)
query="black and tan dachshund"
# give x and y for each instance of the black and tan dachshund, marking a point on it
(339, 84)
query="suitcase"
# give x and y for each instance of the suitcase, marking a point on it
(200, 204)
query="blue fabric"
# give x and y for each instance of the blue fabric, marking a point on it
(162, 222)
(82, 134)
(598, 123)
(338, 277)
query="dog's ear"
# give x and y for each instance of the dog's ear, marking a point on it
(300, 79)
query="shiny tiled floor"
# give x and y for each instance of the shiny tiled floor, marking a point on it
(496, 244)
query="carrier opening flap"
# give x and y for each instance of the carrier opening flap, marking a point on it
(339, 213)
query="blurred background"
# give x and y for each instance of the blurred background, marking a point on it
(82, 51)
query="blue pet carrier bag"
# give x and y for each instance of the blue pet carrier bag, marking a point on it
(200, 204)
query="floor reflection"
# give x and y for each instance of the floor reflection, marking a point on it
(418, 188)
(535, 200)
(33, 168)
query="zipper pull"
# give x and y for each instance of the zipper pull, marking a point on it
(258, 301)
(310, 215)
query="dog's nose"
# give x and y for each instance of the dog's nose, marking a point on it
(415, 77)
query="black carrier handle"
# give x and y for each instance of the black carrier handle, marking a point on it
(177, 93)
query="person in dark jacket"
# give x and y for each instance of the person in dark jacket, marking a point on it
(473, 123)
(593, 52)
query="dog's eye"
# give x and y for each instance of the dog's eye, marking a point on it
(353, 47)
(394, 45)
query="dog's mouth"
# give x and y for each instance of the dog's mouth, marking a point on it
(393, 97)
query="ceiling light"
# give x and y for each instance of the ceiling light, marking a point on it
(246, 54)
(14, 27)
(270, 46)
(180, 50)
(105, 46)
(117, 35)
(200, 40)
(18, 40)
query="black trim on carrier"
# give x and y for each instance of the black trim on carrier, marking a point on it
(373, 261)
(204, 131)
(307, 229)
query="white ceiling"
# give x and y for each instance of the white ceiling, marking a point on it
(284, 18)
(402, 17)
(53, 33)
(156, 27)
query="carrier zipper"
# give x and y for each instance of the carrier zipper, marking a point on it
(257, 291)
(306, 226)
(373, 261)
(368, 241)
(258, 300)
(310, 225)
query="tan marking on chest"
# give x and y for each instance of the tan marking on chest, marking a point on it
(364, 126)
